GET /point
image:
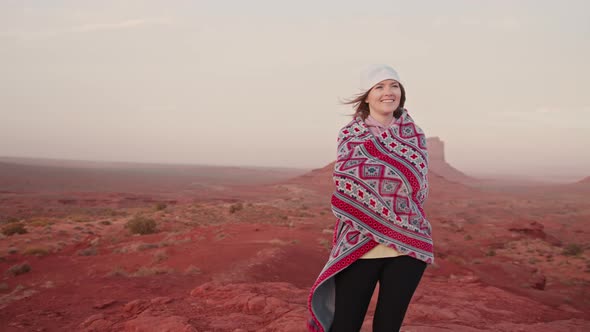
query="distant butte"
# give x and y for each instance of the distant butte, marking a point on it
(445, 180)
(438, 164)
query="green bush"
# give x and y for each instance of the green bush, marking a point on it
(141, 225)
(161, 206)
(40, 223)
(147, 246)
(90, 251)
(572, 249)
(8, 220)
(36, 251)
(14, 228)
(19, 269)
(235, 207)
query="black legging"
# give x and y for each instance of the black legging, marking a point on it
(398, 278)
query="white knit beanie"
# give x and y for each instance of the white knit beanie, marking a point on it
(374, 74)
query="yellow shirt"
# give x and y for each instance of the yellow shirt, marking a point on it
(381, 251)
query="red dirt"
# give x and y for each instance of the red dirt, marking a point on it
(242, 258)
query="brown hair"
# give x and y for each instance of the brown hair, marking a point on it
(361, 108)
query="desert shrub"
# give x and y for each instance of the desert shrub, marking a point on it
(8, 220)
(19, 269)
(123, 250)
(235, 207)
(304, 214)
(152, 271)
(90, 251)
(36, 251)
(141, 225)
(114, 239)
(325, 243)
(192, 270)
(491, 252)
(118, 272)
(161, 206)
(572, 249)
(108, 212)
(468, 237)
(147, 246)
(160, 255)
(14, 228)
(40, 223)
(105, 222)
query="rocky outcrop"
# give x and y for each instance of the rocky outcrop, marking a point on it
(444, 178)
(439, 165)
(277, 306)
(534, 230)
(438, 305)
(436, 148)
(146, 323)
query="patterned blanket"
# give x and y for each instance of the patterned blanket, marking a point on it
(381, 184)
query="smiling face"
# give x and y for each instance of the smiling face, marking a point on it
(384, 98)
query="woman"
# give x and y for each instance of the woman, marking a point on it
(381, 233)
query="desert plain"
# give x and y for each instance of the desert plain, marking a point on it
(91, 246)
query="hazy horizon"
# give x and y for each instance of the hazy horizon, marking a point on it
(519, 178)
(258, 84)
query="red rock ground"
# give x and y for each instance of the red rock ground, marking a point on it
(242, 258)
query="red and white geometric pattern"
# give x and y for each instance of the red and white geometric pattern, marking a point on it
(381, 184)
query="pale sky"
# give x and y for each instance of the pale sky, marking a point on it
(258, 83)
